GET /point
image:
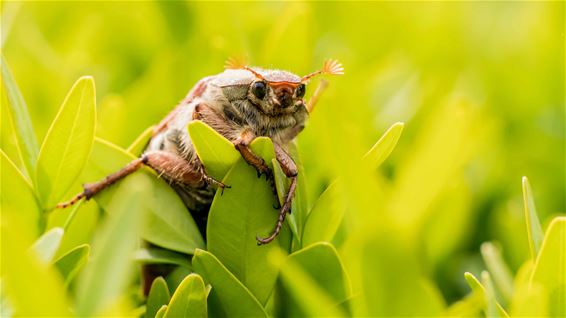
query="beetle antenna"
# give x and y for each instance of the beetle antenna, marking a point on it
(330, 67)
(234, 63)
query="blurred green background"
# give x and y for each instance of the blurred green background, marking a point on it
(480, 87)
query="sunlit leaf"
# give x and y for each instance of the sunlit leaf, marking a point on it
(216, 152)
(102, 282)
(385, 145)
(534, 230)
(158, 297)
(492, 309)
(239, 215)
(189, 300)
(228, 296)
(46, 246)
(68, 143)
(17, 197)
(154, 255)
(161, 312)
(26, 280)
(498, 269)
(489, 304)
(72, 262)
(138, 146)
(549, 269)
(25, 136)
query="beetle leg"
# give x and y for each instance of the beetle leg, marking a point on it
(170, 165)
(290, 169)
(242, 145)
(207, 178)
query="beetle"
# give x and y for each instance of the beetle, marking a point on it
(241, 103)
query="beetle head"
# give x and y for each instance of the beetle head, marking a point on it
(280, 92)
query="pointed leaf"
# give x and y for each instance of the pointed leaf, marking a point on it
(228, 296)
(216, 152)
(239, 215)
(18, 198)
(102, 281)
(534, 230)
(25, 136)
(161, 312)
(158, 297)
(72, 262)
(67, 144)
(46, 246)
(488, 298)
(498, 269)
(493, 309)
(189, 299)
(385, 145)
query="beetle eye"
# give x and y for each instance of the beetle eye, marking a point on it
(300, 91)
(259, 89)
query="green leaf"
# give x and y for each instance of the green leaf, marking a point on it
(384, 146)
(72, 262)
(189, 300)
(161, 312)
(498, 269)
(25, 136)
(18, 198)
(161, 256)
(216, 152)
(67, 144)
(228, 297)
(238, 216)
(550, 267)
(31, 287)
(529, 300)
(138, 146)
(489, 304)
(493, 309)
(102, 281)
(321, 263)
(158, 297)
(168, 223)
(388, 276)
(305, 290)
(325, 217)
(46, 246)
(534, 230)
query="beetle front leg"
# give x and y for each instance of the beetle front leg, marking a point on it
(242, 145)
(290, 169)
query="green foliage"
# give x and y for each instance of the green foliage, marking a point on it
(67, 144)
(476, 94)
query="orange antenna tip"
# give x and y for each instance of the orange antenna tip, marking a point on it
(235, 63)
(332, 67)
